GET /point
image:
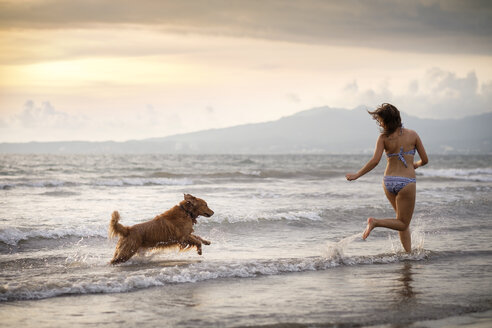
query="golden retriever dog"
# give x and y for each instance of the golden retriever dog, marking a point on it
(169, 229)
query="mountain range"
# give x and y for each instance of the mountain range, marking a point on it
(318, 130)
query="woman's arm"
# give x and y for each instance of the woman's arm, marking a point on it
(423, 155)
(372, 163)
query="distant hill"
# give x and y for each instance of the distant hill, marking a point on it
(318, 130)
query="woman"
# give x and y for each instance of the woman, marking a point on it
(399, 181)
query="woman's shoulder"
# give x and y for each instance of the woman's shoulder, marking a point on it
(412, 136)
(411, 132)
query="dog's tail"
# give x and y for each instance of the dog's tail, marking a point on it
(116, 228)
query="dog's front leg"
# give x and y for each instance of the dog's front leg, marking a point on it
(206, 242)
(192, 240)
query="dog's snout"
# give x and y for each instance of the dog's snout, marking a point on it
(209, 213)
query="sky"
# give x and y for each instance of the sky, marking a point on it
(121, 70)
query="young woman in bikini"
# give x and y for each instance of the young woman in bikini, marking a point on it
(399, 181)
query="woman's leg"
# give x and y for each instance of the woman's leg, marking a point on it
(371, 222)
(403, 204)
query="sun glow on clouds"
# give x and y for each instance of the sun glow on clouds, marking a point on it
(147, 56)
(84, 57)
(97, 71)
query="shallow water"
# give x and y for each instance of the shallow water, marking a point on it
(286, 244)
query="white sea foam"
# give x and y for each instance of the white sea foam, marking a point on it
(477, 174)
(256, 173)
(34, 184)
(47, 183)
(255, 217)
(336, 250)
(114, 280)
(143, 182)
(115, 182)
(6, 185)
(12, 235)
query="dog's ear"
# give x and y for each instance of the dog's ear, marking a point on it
(189, 198)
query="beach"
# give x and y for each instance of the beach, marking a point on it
(286, 243)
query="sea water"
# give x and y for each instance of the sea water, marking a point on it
(285, 235)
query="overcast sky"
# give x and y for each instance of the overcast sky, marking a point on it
(120, 70)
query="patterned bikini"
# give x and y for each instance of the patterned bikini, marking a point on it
(395, 183)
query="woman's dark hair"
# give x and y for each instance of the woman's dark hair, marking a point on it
(390, 116)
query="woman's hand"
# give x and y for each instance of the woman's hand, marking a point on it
(351, 176)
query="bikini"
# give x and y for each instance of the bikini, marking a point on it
(395, 183)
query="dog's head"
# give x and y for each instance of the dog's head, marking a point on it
(196, 207)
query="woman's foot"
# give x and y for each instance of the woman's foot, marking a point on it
(370, 225)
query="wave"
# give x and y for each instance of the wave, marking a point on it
(140, 273)
(144, 182)
(258, 173)
(60, 193)
(218, 175)
(36, 184)
(476, 174)
(308, 216)
(117, 279)
(111, 182)
(13, 236)
(167, 178)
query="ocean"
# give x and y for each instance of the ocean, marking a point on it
(286, 243)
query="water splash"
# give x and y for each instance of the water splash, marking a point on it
(417, 234)
(334, 251)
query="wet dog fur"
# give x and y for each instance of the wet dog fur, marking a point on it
(169, 229)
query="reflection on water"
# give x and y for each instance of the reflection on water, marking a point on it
(405, 292)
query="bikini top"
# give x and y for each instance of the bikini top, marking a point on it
(401, 153)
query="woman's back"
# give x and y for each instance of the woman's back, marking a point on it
(400, 149)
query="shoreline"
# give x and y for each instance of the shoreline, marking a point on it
(381, 295)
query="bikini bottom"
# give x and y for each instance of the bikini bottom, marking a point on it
(394, 183)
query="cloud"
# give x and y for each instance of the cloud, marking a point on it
(447, 84)
(43, 122)
(293, 98)
(413, 87)
(352, 87)
(424, 26)
(44, 116)
(438, 94)
(27, 46)
(149, 116)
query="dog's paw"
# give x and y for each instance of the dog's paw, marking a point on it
(206, 242)
(199, 251)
